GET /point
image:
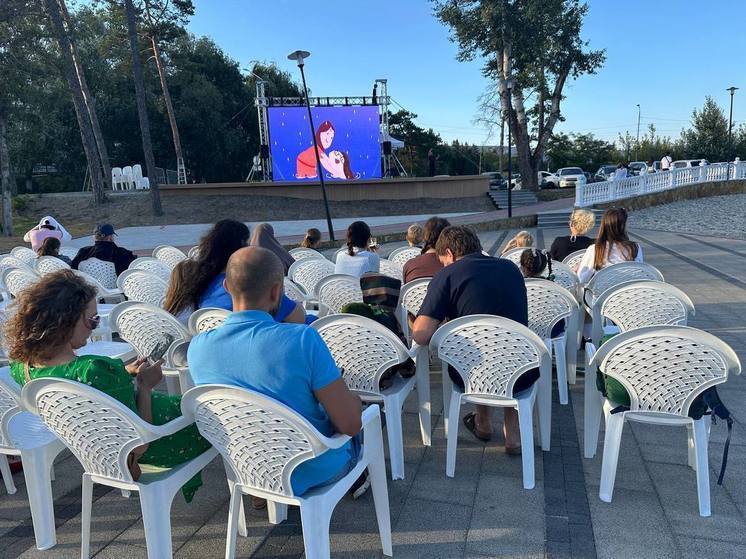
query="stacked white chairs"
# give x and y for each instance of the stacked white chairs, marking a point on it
(550, 304)
(22, 434)
(663, 370)
(573, 259)
(402, 255)
(70, 252)
(301, 252)
(16, 280)
(391, 269)
(25, 254)
(490, 353)
(50, 264)
(263, 441)
(104, 271)
(630, 305)
(411, 296)
(102, 432)
(142, 286)
(169, 255)
(295, 292)
(336, 291)
(140, 182)
(116, 178)
(152, 265)
(308, 272)
(128, 181)
(206, 319)
(364, 350)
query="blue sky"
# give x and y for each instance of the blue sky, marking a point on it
(666, 55)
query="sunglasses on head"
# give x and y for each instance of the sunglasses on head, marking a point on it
(93, 321)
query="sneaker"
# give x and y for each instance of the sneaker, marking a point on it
(361, 485)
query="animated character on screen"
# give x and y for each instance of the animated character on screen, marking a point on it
(337, 164)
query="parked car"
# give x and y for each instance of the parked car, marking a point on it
(515, 181)
(606, 172)
(548, 180)
(636, 167)
(570, 177)
(497, 182)
(681, 163)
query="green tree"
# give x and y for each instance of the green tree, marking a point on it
(708, 136)
(418, 142)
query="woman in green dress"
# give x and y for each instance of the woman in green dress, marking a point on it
(55, 317)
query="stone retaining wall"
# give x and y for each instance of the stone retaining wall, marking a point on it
(688, 192)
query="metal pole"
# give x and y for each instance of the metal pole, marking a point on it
(510, 155)
(730, 123)
(502, 143)
(637, 147)
(319, 169)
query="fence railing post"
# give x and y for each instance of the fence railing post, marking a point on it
(579, 193)
(702, 171)
(642, 184)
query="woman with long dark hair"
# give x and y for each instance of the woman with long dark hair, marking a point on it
(427, 264)
(611, 247)
(360, 258)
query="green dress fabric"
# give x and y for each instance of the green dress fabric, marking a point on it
(110, 377)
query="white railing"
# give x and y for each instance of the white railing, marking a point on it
(608, 191)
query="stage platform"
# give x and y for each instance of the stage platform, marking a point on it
(379, 189)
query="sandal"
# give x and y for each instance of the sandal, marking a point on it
(257, 503)
(513, 450)
(470, 423)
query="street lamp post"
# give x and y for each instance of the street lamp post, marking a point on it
(732, 90)
(299, 56)
(637, 144)
(506, 87)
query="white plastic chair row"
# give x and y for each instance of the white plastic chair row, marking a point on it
(128, 178)
(336, 291)
(307, 273)
(143, 286)
(573, 259)
(152, 265)
(300, 253)
(169, 255)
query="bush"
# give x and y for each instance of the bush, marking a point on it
(21, 203)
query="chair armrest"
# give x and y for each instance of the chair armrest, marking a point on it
(414, 351)
(590, 351)
(369, 417)
(160, 431)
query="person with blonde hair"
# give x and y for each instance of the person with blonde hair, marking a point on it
(414, 235)
(522, 239)
(581, 221)
(312, 239)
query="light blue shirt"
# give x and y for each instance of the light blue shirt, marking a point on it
(216, 296)
(287, 362)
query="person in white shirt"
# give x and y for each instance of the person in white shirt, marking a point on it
(666, 162)
(611, 247)
(360, 258)
(620, 173)
(48, 227)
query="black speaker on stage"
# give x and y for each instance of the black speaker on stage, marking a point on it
(264, 151)
(387, 148)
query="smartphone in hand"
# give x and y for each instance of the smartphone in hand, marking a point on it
(160, 348)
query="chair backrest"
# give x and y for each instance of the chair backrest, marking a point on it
(309, 271)
(338, 252)
(9, 405)
(514, 255)
(169, 255)
(9, 261)
(665, 368)
(391, 269)
(615, 274)
(206, 319)
(261, 440)
(412, 295)
(362, 348)
(637, 304)
(25, 254)
(489, 352)
(142, 286)
(548, 304)
(101, 291)
(300, 253)
(104, 272)
(193, 252)
(143, 325)
(49, 264)
(70, 252)
(116, 172)
(565, 277)
(137, 171)
(403, 254)
(295, 291)
(16, 280)
(152, 265)
(336, 291)
(574, 258)
(100, 431)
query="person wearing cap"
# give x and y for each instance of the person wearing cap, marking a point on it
(105, 249)
(47, 227)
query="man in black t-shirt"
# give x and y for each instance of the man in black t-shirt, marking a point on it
(105, 249)
(473, 283)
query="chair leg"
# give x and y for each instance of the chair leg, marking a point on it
(10, 487)
(691, 451)
(447, 393)
(423, 394)
(234, 513)
(315, 522)
(172, 385)
(452, 438)
(242, 530)
(377, 475)
(277, 513)
(85, 517)
(560, 358)
(156, 517)
(544, 405)
(592, 404)
(37, 470)
(703, 474)
(572, 348)
(525, 407)
(393, 408)
(612, 442)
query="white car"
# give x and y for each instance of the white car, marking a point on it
(570, 177)
(548, 180)
(681, 163)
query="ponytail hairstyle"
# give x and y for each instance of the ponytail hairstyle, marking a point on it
(358, 236)
(613, 231)
(534, 262)
(312, 238)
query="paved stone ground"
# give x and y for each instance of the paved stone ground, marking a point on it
(483, 511)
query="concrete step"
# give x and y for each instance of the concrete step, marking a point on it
(518, 198)
(560, 219)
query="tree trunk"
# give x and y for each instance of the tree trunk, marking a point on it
(169, 104)
(86, 131)
(90, 102)
(5, 180)
(142, 109)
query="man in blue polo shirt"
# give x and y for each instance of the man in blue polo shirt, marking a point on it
(288, 362)
(473, 283)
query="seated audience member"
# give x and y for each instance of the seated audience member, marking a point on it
(427, 264)
(264, 236)
(472, 283)
(47, 227)
(287, 362)
(522, 239)
(414, 235)
(51, 247)
(105, 249)
(611, 247)
(360, 257)
(312, 239)
(581, 221)
(199, 282)
(54, 318)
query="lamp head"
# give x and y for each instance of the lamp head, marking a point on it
(732, 89)
(299, 56)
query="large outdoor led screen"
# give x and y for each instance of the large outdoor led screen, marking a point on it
(347, 139)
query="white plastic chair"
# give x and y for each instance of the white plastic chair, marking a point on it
(337, 252)
(136, 172)
(50, 264)
(336, 291)
(16, 280)
(104, 272)
(411, 296)
(490, 353)
(300, 253)
(169, 255)
(128, 181)
(143, 286)
(102, 293)
(573, 259)
(364, 350)
(630, 305)
(101, 432)
(402, 255)
(663, 370)
(193, 252)
(23, 434)
(615, 274)
(308, 272)
(25, 254)
(391, 269)
(70, 252)
(152, 265)
(295, 292)
(514, 255)
(548, 305)
(116, 178)
(143, 183)
(262, 442)
(565, 277)
(206, 319)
